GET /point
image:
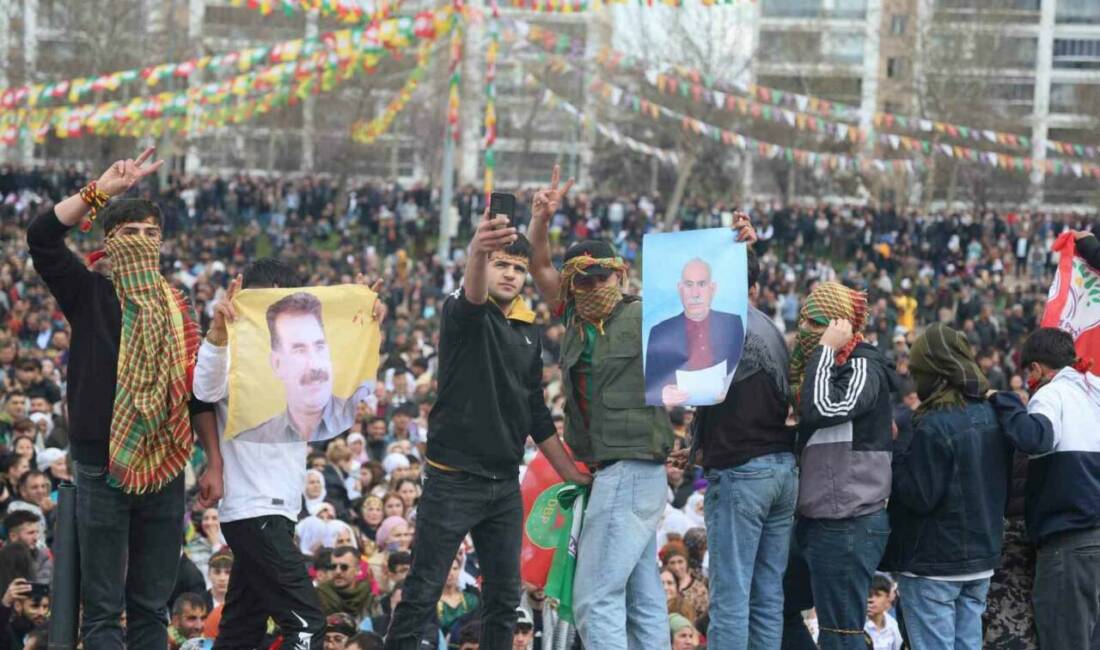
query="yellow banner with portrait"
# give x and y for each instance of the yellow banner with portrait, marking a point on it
(301, 362)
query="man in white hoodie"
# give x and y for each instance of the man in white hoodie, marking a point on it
(1063, 488)
(263, 487)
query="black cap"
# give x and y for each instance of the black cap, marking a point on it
(593, 248)
(340, 623)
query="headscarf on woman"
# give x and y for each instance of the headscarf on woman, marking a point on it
(313, 505)
(827, 302)
(382, 537)
(943, 367)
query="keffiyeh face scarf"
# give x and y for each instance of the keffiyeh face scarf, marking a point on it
(591, 305)
(944, 369)
(827, 302)
(150, 427)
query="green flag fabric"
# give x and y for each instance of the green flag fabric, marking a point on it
(559, 582)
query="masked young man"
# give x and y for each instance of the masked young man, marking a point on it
(1063, 486)
(133, 349)
(618, 598)
(490, 400)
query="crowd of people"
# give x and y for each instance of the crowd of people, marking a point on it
(921, 293)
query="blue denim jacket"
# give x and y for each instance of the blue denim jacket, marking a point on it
(950, 489)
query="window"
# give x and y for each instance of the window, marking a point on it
(1076, 53)
(843, 48)
(892, 107)
(1078, 11)
(898, 23)
(896, 67)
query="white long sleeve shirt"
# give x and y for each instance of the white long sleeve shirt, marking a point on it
(261, 478)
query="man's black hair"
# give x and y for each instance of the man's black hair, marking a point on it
(268, 272)
(1049, 346)
(120, 211)
(519, 248)
(295, 303)
(194, 601)
(398, 558)
(18, 518)
(340, 551)
(322, 560)
(880, 584)
(754, 266)
(30, 363)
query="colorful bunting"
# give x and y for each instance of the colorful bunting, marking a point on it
(391, 34)
(366, 132)
(491, 95)
(806, 104)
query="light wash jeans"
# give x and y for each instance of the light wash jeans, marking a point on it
(750, 514)
(617, 595)
(943, 615)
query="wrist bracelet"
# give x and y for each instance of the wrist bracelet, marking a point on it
(217, 341)
(96, 200)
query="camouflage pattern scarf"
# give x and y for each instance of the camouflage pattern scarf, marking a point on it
(595, 305)
(944, 369)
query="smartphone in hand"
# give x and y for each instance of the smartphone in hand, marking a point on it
(502, 204)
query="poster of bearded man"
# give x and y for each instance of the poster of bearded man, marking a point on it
(301, 362)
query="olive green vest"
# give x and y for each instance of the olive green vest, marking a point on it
(621, 426)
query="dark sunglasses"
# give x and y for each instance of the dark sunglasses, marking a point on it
(339, 566)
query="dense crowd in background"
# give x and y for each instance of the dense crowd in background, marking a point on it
(983, 272)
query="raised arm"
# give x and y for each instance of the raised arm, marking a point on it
(492, 235)
(118, 178)
(545, 204)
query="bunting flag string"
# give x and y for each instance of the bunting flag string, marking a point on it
(619, 97)
(830, 115)
(491, 54)
(455, 72)
(318, 73)
(390, 34)
(368, 131)
(347, 11)
(578, 6)
(552, 100)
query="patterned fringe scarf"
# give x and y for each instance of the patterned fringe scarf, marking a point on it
(150, 428)
(590, 306)
(944, 369)
(828, 301)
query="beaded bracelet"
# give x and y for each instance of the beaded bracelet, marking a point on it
(95, 199)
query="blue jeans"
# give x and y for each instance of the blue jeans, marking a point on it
(943, 615)
(617, 595)
(129, 552)
(750, 513)
(842, 555)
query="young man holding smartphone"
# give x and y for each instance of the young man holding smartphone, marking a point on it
(490, 400)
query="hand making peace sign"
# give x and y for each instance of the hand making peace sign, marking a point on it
(122, 175)
(548, 199)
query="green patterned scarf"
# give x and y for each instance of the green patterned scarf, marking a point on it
(944, 369)
(150, 426)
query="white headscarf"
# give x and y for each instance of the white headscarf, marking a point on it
(672, 521)
(311, 533)
(694, 511)
(335, 527)
(313, 505)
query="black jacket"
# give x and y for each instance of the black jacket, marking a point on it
(490, 389)
(667, 351)
(950, 488)
(90, 304)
